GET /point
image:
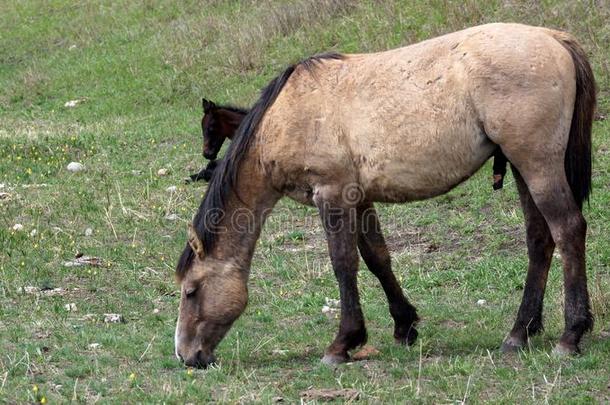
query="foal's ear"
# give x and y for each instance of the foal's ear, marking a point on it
(207, 105)
(195, 242)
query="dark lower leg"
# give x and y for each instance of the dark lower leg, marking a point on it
(578, 317)
(568, 229)
(341, 237)
(205, 173)
(374, 252)
(540, 247)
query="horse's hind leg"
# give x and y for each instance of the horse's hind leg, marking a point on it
(553, 197)
(375, 254)
(540, 247)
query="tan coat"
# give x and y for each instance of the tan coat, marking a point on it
(413, 122)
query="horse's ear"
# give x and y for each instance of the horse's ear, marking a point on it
(195, 242)
(207, 105)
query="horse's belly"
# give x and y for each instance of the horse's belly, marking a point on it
(429, 171)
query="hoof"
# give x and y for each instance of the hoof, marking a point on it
(512, 345)
(334, 359)
(406, 339)
(562, 350)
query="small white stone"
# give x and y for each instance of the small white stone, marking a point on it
(136, 172)
(171, 217)
(481, 302)
(17, 227)
(162, 172)
(75, 167)
(72, 47)
(71, 307)
(171, 189)
(88, 232)
(94, 346)
(156, 311)
(113, 318)
(332, 302)
(30, 289)
(34, 232)
(72, 103)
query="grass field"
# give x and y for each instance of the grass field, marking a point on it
(138, 70)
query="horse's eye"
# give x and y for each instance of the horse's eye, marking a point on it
(190, 292)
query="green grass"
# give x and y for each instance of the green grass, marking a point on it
(140, 69)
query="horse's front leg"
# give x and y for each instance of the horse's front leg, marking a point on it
(341, 234)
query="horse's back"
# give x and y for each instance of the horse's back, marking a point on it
(413, 122)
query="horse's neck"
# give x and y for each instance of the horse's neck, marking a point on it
(247, 208)
(233, 119)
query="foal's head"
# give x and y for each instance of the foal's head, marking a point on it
(213, 295)
(212, 139)
(218, 123)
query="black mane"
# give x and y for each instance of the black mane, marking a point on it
(224, 181)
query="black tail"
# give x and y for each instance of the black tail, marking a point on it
(578, 153)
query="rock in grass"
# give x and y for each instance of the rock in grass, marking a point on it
(81, 260)
(481, 302)
(93, 346)
(30, 289)
(329, 394)
(72, 103)
(171, 189)
(71, 307)
(88, 232)
(75, 167)
(162, 172)
(113, 318)
(172, 217)
(17, 227)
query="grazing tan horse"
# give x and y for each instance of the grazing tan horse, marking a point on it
(343, 131)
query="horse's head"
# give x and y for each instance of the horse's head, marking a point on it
(212, 137)
(211, 128)
(213, 295)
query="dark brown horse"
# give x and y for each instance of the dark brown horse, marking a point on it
(341, 132)
(218, 123)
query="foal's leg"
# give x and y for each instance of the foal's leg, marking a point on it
(553, 197)
(200, 175)
(374, 251)
(540, 247)
(340, 226)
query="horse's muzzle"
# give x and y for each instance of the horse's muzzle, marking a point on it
(210, 155)
(199, 360)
